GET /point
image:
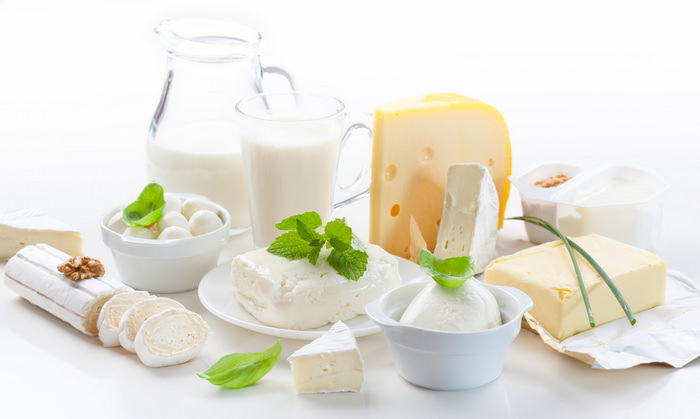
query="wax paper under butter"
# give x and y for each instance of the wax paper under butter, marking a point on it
(668, 334)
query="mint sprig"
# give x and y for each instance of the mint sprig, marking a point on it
(147, 209)
(451, 272)
(348, 255)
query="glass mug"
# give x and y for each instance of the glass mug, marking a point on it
(291, 146)
(193, 144)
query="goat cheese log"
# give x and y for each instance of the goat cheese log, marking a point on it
(33, 274)
(171, 337)
(112, 313)
(132, 320)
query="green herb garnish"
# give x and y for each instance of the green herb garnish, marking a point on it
(451, 272)
(241, 370)
(569, 245)
(147, 209)
(348, 255)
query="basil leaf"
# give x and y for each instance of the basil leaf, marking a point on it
(311, 219)
(147, 209)
(241, 370)
(450, 272)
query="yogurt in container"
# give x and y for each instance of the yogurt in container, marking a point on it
(620, 202)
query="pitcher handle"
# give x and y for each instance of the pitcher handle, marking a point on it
(273, 70)
(364, 170)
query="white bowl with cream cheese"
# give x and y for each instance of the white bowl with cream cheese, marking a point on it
(443, 360)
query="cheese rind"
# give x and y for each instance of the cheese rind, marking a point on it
(546, 274)
(331, 363)
(24, 227)
(32, 273)
(469, 220)
(415, 141)
(293, 294)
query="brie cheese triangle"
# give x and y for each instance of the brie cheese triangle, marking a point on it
(469, 220)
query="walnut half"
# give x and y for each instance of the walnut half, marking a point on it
(81, 267)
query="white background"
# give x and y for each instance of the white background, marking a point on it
(79, 81)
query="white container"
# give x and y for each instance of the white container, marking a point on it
(448, 361)
(620, 202)
(164, 266)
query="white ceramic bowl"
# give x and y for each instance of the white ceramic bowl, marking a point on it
(448, 361)
(165, 265)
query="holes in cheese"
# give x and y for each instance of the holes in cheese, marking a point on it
(422, 137)
(395, 210)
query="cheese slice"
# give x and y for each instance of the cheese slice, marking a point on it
(545, 273)
(469, 220)
(112, 312)
(171, 337)
(415, 141)
(134, 317)
(330, 363)
(32, 273)
(22, 227)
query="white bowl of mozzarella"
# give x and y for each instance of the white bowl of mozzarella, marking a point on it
(172, 255)
(448, 360)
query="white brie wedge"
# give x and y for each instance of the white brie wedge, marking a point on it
(330, 363)
(470, 215)
(23, 227)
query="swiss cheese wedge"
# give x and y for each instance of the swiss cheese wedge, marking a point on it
(415, 141)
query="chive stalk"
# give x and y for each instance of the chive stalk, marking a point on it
(570, 244)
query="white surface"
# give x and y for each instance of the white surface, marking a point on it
(79, 82)
(216, 294)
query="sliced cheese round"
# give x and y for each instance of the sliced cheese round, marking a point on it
(132, 320)
(112, 313)
(170, 337)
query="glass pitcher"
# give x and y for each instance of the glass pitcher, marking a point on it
(193, 144)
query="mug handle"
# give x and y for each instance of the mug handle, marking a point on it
(364, 170)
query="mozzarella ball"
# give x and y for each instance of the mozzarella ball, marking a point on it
(173, 233)
(192, 205)
(171, 219)
(140, 232)
(116, 223)
(203, 222)
(172, 203)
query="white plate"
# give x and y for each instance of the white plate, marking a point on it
(216, 294)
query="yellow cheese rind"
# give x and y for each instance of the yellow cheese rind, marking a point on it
(546, 274)
(416, 140)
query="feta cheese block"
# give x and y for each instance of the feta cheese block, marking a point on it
(23, 227)
(33, 274)
(469, 221)
(546, 274)
(468, 308)
(134, 317)
(415, 141)
(293, 294)
(112, 312)
(171, 337)
(331, 363)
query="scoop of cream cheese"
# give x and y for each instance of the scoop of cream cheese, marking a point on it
(468, 308)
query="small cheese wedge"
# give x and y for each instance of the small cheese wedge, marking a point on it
(32, 273)
(415, 140)
(134, 317)
(470, 216)
(545, 273)
(23, 227)
(331, 363)
(171, 337)
(112, 312)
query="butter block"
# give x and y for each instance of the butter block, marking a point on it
(24, 227)
(415, 141)
(546, 274)
(294, 294)
(331, 363)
